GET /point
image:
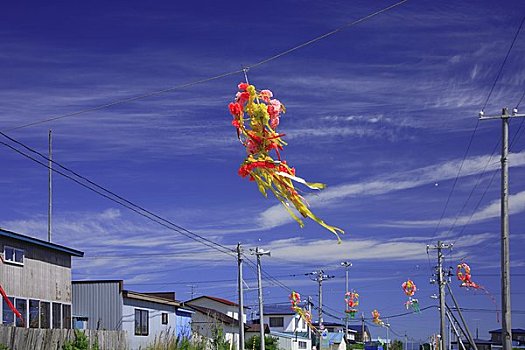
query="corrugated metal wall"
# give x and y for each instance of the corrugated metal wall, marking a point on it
(101, 302)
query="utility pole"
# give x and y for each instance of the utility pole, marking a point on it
(319, 277)
(387, 325)
(346, 265)
(310, 313)
(363, 327)
(465, 325)
(506, 329)
(50, 188)
(259, 252)
(406, 341)
(241, 297)
(442, 281)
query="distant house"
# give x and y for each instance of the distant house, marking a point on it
(518, 336)
(211, 314)
(360, 337)
(36, 276)
(290, 329)
(105, 304)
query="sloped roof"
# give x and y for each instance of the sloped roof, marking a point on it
(278, 309)
(214, 314)
(219, 300)
(41, 243)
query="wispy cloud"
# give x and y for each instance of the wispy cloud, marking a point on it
(492, 210)
(277, 216)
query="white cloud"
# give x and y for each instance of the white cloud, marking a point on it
(492, 210)
(277, 216)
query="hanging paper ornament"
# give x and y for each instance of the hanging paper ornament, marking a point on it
(376, 318)
(463, 274)
(295, 300)
(256, 116)
(409, 287)
(352, 301)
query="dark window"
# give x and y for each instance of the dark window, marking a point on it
(57, 317)
(8, 317)
(21, 306)
(45, 314)
(164, 318)
(14, 255)
(34, 313)
(66, 316)
(302, 344)
(276, 321)
(141, 322)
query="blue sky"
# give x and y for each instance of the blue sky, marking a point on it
(382, 112)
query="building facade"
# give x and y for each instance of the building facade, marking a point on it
(144, 316)
(36, 277)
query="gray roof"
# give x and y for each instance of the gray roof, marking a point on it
(278, 309)
(41, 243)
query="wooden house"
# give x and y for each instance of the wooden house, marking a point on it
(36, 277)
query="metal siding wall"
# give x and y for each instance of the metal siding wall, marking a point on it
(101, 302)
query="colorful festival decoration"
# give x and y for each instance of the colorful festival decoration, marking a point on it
(376, 318)
(409, 287)
(463, 275)
(256, 116)
(352, 301)
(295, 300)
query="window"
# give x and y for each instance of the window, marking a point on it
(8, 317)
(66, 316)
(302, 344)
(14, 255)
(21, 306)
(141, 322)
(34, 313)
(57, 317)
(164, 318)
(276, 321)
(45, 314)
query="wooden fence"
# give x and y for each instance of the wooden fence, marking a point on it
(53, 339)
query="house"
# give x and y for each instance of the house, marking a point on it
(290, 329)
(105, 304)
(36, 277)
(518, 336)
(212, 314)
(360, 337)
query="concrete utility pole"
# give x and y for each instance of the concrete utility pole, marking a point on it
(506, 329)
(442, 281)
(363, 327)
(465, 325)
(241, 297)
(50, 188)
(259, 252)
(346, 265)
(319, 277)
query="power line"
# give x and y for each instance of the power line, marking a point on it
(264, 61)
(503, 64)
(476, 127)
(92, 186)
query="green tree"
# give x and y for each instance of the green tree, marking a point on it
(254, 343)
(396, 345)
(218, 340)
